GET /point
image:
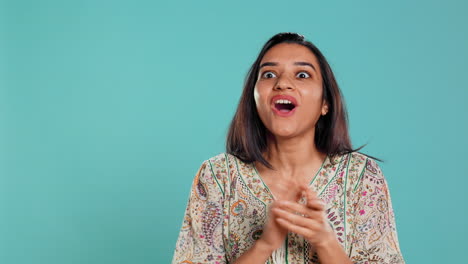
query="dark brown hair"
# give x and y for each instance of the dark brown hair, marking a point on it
(247, 136)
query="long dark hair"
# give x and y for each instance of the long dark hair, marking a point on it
(247, 136)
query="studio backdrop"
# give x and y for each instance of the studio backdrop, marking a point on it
(108, 109)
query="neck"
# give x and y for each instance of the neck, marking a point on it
(293, 154)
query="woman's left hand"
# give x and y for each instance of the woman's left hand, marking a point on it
(307, 220)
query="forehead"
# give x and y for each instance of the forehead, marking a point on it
(289, 52)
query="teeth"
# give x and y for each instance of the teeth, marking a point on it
(283, 102)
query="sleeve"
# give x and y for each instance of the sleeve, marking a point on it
(200, 238)
(374, 238)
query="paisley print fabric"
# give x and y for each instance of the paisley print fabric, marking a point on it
(228, 205)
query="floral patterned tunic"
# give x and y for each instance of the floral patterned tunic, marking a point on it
(229, 202)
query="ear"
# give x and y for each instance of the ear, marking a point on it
(324, 108)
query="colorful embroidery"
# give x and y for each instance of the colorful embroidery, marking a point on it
(229, 201)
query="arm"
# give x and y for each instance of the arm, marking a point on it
(257, 254)
(200, 238)
(331, 251)
(374, 236)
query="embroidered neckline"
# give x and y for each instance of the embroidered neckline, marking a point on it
(272, 196)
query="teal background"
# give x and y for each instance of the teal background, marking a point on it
(108, 108)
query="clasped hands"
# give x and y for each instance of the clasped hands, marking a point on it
(308, 220)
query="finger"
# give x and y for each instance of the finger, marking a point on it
(299, 208)
(310, 193)
(311, 198)
(307, 233)
(316, 204)
(313, 201)
(307, 189)
(310, 214)
(300, 220)
(274, 205)
(291, 217)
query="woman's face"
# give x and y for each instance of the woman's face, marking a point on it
(288, 91)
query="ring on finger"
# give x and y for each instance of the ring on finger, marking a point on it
(303, 215)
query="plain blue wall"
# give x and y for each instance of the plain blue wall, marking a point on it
(108, 109)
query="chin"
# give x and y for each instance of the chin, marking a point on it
(284, 133)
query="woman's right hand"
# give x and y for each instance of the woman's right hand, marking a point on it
(272, 237)
(273, 234)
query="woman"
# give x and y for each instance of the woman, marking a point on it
(290, 188)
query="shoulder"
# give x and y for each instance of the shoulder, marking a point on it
(219, 162)
(363, 162)
(353, 162)
(224, 161)
(360, 168)
(349, 159)
(218, 159)
(358, 156)
(208, 168)
(371, 173)
(219, 167)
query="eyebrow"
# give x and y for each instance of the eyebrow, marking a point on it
(301, 63)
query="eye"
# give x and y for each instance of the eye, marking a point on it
(268, 75)
(303, 74)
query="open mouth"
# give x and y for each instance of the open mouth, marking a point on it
(284, 106)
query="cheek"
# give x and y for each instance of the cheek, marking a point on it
(312, 106)
(256, 96)
(260, 96)
(313, 97)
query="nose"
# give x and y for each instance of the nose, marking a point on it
(283, 83)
